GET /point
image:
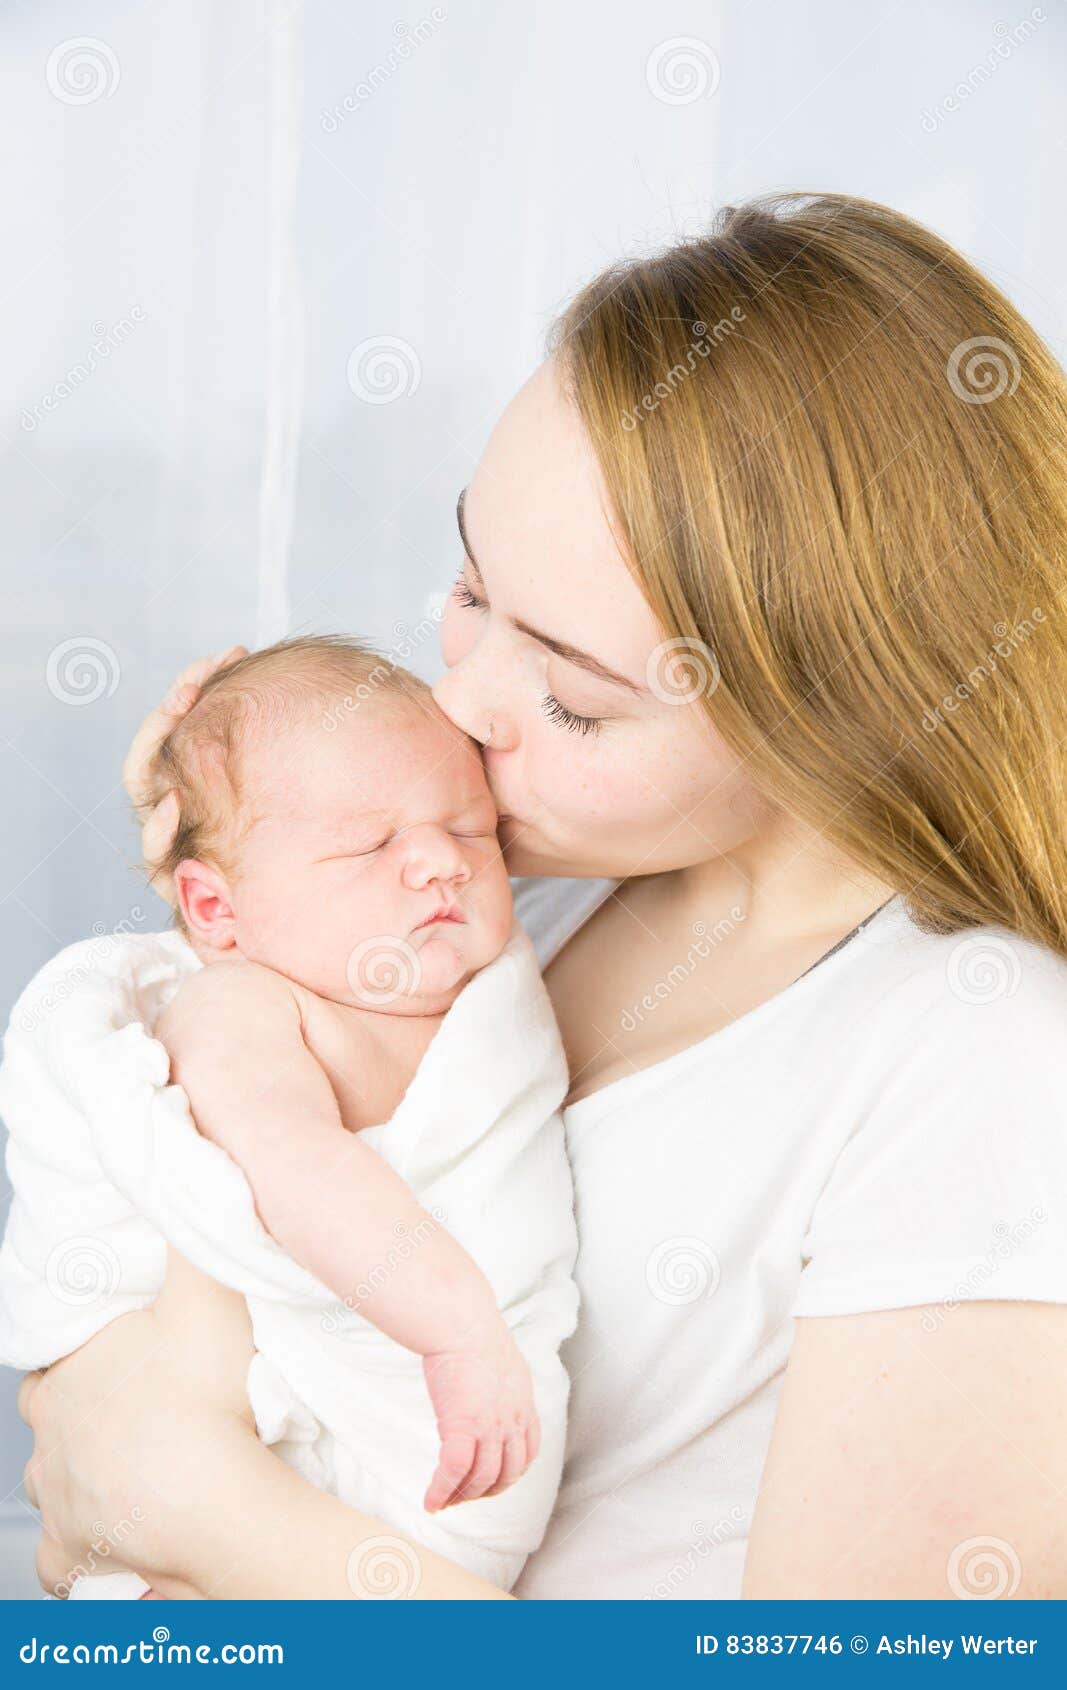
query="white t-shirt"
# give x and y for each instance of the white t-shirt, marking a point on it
(890, 1130)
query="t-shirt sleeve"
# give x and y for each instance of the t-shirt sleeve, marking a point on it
(953, 1186)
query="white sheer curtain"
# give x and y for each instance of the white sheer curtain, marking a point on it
(270, 270)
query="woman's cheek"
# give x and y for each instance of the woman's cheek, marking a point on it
(561, 765)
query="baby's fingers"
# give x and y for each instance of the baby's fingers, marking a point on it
(485, 1472)
(453, 1466)
(515, 1461)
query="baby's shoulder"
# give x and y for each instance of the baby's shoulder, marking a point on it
(229, 995)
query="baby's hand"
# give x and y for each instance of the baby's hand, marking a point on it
(486, 1418)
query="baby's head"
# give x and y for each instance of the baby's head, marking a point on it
(336, 827)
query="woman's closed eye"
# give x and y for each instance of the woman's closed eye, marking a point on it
(570, 719)
(463, 595)
(557, 712)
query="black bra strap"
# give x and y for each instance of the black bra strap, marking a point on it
(841, 943)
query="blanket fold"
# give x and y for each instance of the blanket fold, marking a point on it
(108, 1169)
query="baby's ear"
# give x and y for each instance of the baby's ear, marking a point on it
(204, 900)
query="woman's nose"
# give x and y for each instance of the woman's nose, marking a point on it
(432, 854)
(479, 716)
(460, 703)
(471, 695)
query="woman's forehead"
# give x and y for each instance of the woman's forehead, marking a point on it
(537, 517)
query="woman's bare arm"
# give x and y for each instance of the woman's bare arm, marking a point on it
(919, 1452)
(149, 1424)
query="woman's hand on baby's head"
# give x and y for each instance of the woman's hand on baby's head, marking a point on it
(486, 1419)
(161, 819)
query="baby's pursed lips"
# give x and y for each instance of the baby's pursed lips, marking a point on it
(443, 912)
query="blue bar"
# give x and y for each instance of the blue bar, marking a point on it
(544, 1645)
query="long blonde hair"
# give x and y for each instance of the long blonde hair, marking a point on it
(835, 455)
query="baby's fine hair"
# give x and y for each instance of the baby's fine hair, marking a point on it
(264, 692)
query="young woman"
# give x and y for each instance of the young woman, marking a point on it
(760, 622)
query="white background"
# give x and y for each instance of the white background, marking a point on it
(177, 198)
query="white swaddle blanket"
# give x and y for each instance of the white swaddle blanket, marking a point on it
(108, 1168)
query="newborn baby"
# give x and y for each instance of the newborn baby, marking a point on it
(337, 870)
(335, 1088)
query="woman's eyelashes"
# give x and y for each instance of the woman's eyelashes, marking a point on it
(569, 719)
(550, 704)
(463, 595)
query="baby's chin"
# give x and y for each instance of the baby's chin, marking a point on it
(421, 975)
(447, 957)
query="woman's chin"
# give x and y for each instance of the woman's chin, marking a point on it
(524, 856)
(519, 848)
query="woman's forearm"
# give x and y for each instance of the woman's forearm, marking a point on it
(270, 1535)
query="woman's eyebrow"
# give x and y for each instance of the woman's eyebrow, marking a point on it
(569, 653)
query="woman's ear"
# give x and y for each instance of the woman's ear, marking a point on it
(204, 900)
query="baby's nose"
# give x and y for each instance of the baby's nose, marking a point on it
(432, 854)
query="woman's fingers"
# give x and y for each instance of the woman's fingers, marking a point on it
(137, 766)
(53, 1564)
(26, 1394)
(156, 835)
(28, 1407)
(29, 1485)
(159, 828)
(161, 819)
(160, 721)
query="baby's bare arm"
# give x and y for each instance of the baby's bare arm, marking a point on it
(235, 1038)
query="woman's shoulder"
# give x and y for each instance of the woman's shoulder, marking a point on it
(552, 908)
(952, 1180)
(983, 991)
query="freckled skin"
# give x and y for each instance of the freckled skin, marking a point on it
(655, 788)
